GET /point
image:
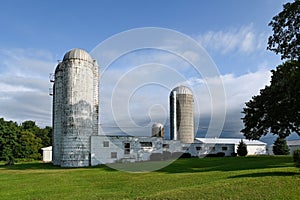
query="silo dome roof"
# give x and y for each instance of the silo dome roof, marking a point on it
(78, 54)
(157, 125)
(182, 90)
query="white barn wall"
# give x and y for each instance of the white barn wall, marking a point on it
(293, 148)
(103, 155)
(255, 149)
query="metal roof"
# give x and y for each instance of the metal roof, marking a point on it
(78, 54)
(229, 141)
(47, 148)
(182, 90)
(293, 142)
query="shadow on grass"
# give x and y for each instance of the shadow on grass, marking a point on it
(227, 164)
(264, 174)
(188, 165)
(29, 166)
(46, 166)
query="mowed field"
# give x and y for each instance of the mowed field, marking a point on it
(267, 177)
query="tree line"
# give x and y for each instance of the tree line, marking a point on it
(22, 141)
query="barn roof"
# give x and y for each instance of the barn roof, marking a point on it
(293, 142)
(47, 148)
(228, 141)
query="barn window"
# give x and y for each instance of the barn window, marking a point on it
(113, 154)
(146, 144)
(126, 148)
(212, 148)
(105, 143)
(224, 148)
(198, 148)
(185, 148)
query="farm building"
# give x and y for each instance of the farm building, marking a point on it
(292, 144)
(229, 145)
(47, 154)
(110, 149)
(77, 142)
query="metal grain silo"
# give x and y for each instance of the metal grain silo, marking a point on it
(182, 114)
(75, 108)
(158, 130)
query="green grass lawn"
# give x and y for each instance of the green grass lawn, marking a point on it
(264, 177)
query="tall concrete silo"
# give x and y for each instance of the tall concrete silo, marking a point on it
(75, 108)
(182, 114)
(158, 130)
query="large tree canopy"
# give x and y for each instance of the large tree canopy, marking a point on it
(277, 108)
(24, 141)
(286, 32)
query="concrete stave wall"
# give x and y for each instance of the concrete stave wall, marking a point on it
(75, 111)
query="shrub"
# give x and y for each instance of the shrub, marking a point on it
(167, 155)
(233, 154)
(186, 155)
(220, 154)
(296, 157)
(242, 149)
(280, 147)
(211, 155)
(156, 156)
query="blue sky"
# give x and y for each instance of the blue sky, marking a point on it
(35, 34)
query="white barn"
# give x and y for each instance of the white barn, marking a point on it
(229, 145)
(111, 149)
(293, 145)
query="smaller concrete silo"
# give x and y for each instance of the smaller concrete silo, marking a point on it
(158, 130)
(182, 114)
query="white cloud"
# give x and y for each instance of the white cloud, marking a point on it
(238, 89)
(139, 89)
(24, 85)
(241, 89)
(244, 40)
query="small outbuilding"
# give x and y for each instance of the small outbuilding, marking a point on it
(47, 154)
(293, 145)
(229, 145)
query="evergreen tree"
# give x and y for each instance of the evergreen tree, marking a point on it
(280, 147)
(242, 149)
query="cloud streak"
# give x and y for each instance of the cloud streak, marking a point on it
(243, 40)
